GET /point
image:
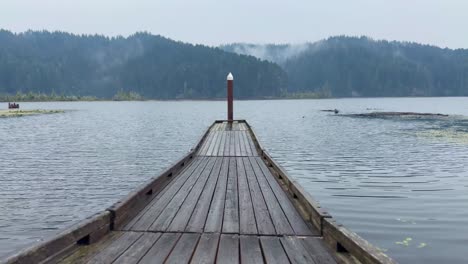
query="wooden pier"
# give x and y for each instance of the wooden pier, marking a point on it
(226, 201)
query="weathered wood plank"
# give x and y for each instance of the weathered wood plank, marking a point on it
(232, 144)
(210, 150)
(248, 150)
(242, 149)
(161, 249)
(186, 169)
(264, 223)
(214, 219)
(247, 222)
(206, 144)
(222, 144)
(115, 249)
(146, 218)
(228, 251)
(185, 210)
(315, 246)
(217, 144)
(278, 217)
(250, 251)
(199, 215)
(231, 207)
(237, 144)
(183, 251)
(227, 143)
(272, 250)
(295, 219)
(295, 250)
(164, 219)
(252, 144)
(206, 249)
(134, 253)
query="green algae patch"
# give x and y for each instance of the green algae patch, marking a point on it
(449, 135)
(19, 113)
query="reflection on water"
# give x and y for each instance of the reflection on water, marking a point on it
(400, 183)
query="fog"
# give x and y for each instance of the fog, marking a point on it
(441, 23)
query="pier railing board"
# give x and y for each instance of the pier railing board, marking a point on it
(87, 231)
(347, 245)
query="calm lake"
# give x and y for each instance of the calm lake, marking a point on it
(400, 183)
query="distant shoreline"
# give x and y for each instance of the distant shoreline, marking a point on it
(223, 99)
(18, 113)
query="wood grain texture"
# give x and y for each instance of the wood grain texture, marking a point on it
(225, 205)
(228, 251)
(206, 249)
(161, 249)
(250, 251)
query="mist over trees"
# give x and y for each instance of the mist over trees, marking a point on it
(351, 66)
(144, 65)
(42, 64)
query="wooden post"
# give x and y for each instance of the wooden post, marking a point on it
(230, 97)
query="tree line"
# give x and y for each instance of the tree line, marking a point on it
(139, 66)
(42, 64)
(359, 66)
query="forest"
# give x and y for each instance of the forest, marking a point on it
(43, 65)
(359, 66)
(36, 64)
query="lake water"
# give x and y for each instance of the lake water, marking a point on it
(402, 184)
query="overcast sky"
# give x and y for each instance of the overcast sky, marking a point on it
(439, 22)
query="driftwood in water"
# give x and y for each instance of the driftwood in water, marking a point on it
(336, 111)
(397, 114)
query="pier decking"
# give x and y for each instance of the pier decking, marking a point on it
(225, 206)
(225, 202)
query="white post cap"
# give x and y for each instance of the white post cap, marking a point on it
(230, 77)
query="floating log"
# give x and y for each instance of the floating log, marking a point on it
(227, 199)
(336, 111)
(398, 114)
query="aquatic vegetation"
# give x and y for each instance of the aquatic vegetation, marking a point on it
(406, 221)
(19, 113)
(451, 135)
(382, 249)
(405, 242)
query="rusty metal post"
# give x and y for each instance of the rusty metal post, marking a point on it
(230, 97)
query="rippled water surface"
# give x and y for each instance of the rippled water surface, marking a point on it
(401, 183)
